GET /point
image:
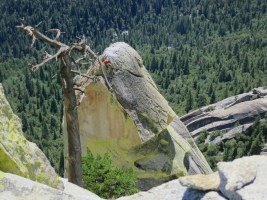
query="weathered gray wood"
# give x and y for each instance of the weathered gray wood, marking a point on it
(74, 159)
(70, 104)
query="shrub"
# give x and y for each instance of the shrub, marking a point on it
(106, 180)
(210, 108)
(214, 134)
(202, 137)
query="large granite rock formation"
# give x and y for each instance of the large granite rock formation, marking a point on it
(241, 109)
(126, 115)
(19, 156)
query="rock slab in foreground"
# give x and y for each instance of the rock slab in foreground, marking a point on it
(173, 190)
(244, 178)
(241, 179)
(202, 182)
(13, 187)
(19, 156)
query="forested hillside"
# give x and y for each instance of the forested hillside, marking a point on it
(246, 143)
(198, 51)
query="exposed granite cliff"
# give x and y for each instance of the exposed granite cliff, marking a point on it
(126, 115)
(19, 156)
(241, 109)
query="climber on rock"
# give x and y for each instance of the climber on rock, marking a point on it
(106, 61)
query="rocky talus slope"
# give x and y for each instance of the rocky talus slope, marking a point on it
(241, 179)
(19, 156)
(231, 116)
(123, 113)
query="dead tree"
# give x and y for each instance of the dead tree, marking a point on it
(66, 62)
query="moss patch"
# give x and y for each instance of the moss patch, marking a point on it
(2, 175)
(7, 164)
(17, 155)
(161, 157)
(148, 123)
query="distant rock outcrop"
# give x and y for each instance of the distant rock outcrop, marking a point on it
(232, 115)
(125, 114)
(19, 156)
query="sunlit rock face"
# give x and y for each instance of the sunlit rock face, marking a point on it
(231, 116)
(14, 187)
(19, 156)
(126, 115)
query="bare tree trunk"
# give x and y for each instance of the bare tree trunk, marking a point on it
(74, 144)
(70, 104)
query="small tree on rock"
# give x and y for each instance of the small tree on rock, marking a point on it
(105, 179)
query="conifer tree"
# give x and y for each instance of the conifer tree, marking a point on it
(189, 102)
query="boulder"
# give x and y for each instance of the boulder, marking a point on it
(202, 182)
(173, 190)
(124, 113)
(19, 156)
(243, 178)
(13, 187)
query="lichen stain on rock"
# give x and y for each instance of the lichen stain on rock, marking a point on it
(9, 165)
(2, 176)
(115, 125)
(19, 156)
(160, 157)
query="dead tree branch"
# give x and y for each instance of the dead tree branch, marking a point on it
(47, 59)
(56, 31)
(70, 102)
(79, 89)
(55, 75)
(80, 59)
(80, 100)
(82, 47)
(33, 41)
(84, 75)
(37, 25)
(36, 34)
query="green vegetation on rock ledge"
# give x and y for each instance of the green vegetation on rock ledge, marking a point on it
(103, 178)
